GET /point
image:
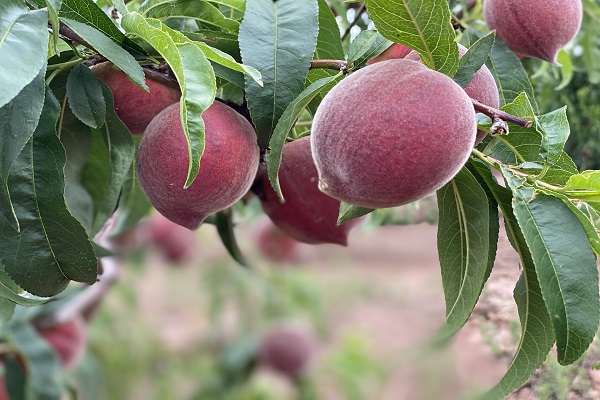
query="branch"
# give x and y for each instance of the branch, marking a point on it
(359, 13)
(69, 33)
(498, 116)
(160, 77)
(338, 65)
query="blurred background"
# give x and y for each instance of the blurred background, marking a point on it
(185, 321)
(305, 322)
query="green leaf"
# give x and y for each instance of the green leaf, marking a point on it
(218, 56)
(329, 42)
(537, 336)
(523, 145)
(53, 7)
(88, 12)
(202, 11)
(494, 219)
(224, 223)
(409, 22)
(76, 138)
(566, 69)
(133, 205)
(109, 49)
(120, 6)
(329, 47)
(463, 246)
(41, 361)
(120, 149)
(279, 39)
(585, 186)
(224, 41)
(590, 220)
(239, 5)
(9, 291)
(53, 247)
(565, 265)
(585, 217)
(555, 131)
(589, 180)
(23, 47)
(509, 74)
(285, 124)
(350, 211)
(473, 59)
(367, 44)
(85, 96)
(18, 120)
(194, 74)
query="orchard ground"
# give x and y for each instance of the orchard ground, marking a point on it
(373, 307)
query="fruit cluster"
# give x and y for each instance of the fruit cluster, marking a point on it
(389, 134)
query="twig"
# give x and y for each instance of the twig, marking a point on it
(160, 77)
(359, 13)
(69, 33)
(496, 114)
(338, 65)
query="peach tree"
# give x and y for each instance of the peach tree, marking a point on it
(87, 85)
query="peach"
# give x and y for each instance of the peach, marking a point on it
(3, 390)
(481, 88)
(176, 243)
(396, 50)
(391, 133)
(275, 244)
(287, 350)
(308, 215)
(227, 168)
(133, 105)
(534, 28)
(69, 340)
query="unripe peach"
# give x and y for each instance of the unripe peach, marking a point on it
(481, 88)
(391, 133)
(227, 168)
(287, 350)
(68, 340)
(275, 244)
(176, 243)
(534, 28)
(308, 215)
(133, 105)
(3, 390)
(396, 50)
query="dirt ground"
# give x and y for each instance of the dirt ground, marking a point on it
(390, 294)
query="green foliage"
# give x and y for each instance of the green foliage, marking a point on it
(68, 162)
(18, 120)
(23, 46)
(52, 240)
(409, 23)
(278, 39)
(464, 247)
(286, 123)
